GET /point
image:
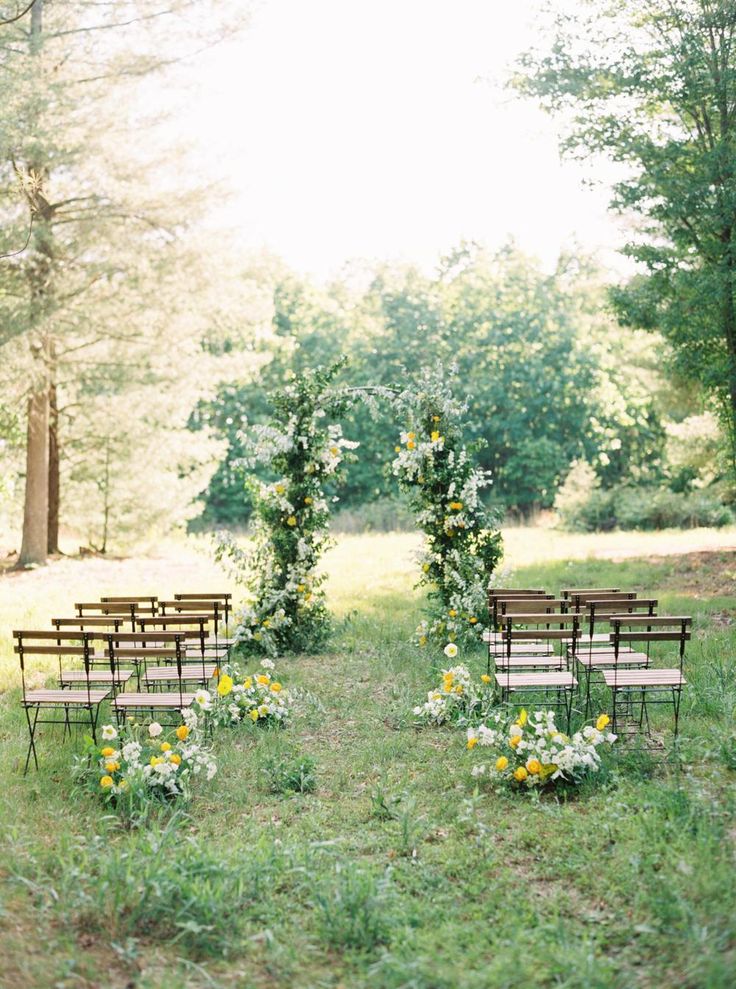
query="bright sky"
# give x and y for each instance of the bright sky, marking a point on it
(380, 129)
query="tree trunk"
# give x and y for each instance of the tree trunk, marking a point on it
(54, 483)
(36, 507)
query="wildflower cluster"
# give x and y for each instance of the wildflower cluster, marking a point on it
(530, 751)
(302, 449)
(459, 698)
(136, 765)
(462, 545)
(257, 698)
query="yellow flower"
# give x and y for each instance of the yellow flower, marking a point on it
(485, 678)
(520, 774)
(165, 746)
(263, 710)
(280, 489)
(411, 436)
(397, 449)
(448, 677)
(225, 685)
(602, 722)
(112, 767)
(248, 683)
(534, 766)
(452, 613)
(257, 636)
(175, 758)
(334, 451)
(107, 752)
(521, 720)
(514, 741)
(291, 521)
(106, 782)
(263, 679)
(410, 445)
(435, 435)
(422, 640)
(308, 500)
(501, 763)
(122, 784)
(435, 418)
(301, 588)
(459, 689)
(254, 714)
(276, 687)
(425, 567)
(182, 733)
(473, 620)
(472, 742)
(456, 506)
(156, 760)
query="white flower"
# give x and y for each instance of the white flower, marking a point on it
(109, 732)
(268, 664)
(202, 698)
(154, 729)
(451, 650)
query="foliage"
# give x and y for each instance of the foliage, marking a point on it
(627, 507)
(529, 751)
(436, 471)
(302, 448)
(353, 909)
(136, 768)
(652, 87)
(290, 774)
(459, 698)
(258, 698)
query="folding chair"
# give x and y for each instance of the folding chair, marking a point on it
(167, 646)
(139, 599)
(653, 685)
(594, 652)
(555, 686)
(130, 609)
(533, 654)
(225, 601)
(212, 609)
(86, 700)
(569, 592)
(192, 626)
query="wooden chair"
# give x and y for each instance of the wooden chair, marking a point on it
(652, 685)
(555, 686)
(164, 646)
(194, 625)
(144, 600)
(85, 701)
(130, 609)
(224, 600)
(569, 592)
(213, 610)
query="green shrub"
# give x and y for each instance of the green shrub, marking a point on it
(353, 909)
(628, 507)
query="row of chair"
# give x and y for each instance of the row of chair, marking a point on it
(604, 636)
(166, 647)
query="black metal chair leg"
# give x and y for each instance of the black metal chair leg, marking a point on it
(32, 743)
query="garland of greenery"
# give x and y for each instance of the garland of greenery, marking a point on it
(462, 543)
(302, 447)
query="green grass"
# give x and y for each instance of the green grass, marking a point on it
(393, 872)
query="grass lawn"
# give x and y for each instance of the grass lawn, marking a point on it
(394, 873)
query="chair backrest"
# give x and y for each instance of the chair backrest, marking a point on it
(213, 610)
(527, 606)
(197, 623)
(115, 622)
(568, 592)
(224, 599)
(650, 629)
(129, 608)
(579, 600)
(523, 628)
(43, 642)
(144, 600)
(156, 645)
(498, 594)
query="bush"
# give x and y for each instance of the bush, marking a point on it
(628, 507)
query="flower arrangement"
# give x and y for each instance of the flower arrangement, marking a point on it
(529, 751)
(462, 545)
(302, 449)
(458, 698)
(255, 698)
(136, 765)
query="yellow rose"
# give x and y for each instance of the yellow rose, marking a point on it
(106, 782)
(485, 678)
(112, 767)
(602, 722)
(520, 774)
(225, 685)
(473, 620)
(410, 445)
(165, 746)
(452, 613)
(472, 742)
(263, 679)
(254, 714)
(514, 741)
(534, 766)
(411, 436)
(501, 763)
(107, 752)
(291, 521)
(175, 758)
(182, 733)
(276, 687)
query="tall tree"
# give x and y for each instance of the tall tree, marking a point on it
(651, 84)
(75, 174)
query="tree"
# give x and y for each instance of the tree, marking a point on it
(95, 236)
(651, 84)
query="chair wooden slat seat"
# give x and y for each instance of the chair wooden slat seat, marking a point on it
(513, 681)
(150, 700)
(606, 657)
(193, 672)
(95, 676)
(550, 661)
(644, 678)
(64, 697)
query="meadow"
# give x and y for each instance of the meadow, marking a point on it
(353, 850)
